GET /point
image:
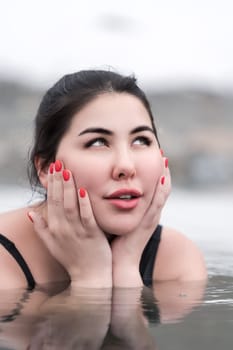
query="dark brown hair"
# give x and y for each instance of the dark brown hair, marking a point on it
(68, 96)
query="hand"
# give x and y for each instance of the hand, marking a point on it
(71, 233)
(127, 250)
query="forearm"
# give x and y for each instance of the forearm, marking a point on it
(93, 278)
(126, 256)
(126, 275)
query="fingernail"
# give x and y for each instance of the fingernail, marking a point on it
(58, 165)
(29, 217)
(162, 153)
(51, 168)
(66, 175)
(166, 162)
(162, 180)
(82, 192)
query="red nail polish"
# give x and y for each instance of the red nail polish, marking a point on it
(66, 175)
(58, 165)
(162, 153)
(82, 192)
(166, 162)
(162, 180)
(51, 168)
(29, 217)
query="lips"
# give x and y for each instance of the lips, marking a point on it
(124, 199)
(124, 194)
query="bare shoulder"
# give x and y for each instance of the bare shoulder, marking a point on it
(178, 258)
(12, 220)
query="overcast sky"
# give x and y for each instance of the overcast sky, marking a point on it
(164, 42)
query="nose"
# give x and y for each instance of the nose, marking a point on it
(124, 166)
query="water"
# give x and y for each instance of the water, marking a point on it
(168, 316)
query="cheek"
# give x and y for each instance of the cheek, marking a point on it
(154, 166)
(88, 174)
(151, 179)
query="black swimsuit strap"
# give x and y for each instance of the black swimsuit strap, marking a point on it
(11, 248)
(148, 257)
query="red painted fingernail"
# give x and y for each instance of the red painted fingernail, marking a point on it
(162, 153)
(58, 165)
(82, 192)
(66, 175)
(51, 168)
(29, 217)
(162, 180)
(166, 162)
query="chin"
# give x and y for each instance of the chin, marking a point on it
(119, 230)
(119, 225)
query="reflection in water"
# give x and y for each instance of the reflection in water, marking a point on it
(17, 310)
(87, 319)
(93, 319)
(167, 316)
(209, 326)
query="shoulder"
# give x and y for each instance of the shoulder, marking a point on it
(8, 216)
(178, 258)
(12, 221)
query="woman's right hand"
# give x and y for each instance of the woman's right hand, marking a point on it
(71, 233)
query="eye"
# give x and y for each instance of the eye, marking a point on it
(97, 142)
(142, 140)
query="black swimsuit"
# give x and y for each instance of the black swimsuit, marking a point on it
(146, 263)
(11, 248)
(148, 257)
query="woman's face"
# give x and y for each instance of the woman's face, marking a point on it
(112, 152)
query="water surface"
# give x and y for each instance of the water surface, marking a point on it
(165, 316)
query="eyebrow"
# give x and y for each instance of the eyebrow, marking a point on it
(142, 128)
(109, 132)
(96, 131)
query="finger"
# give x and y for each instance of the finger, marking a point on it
(55, 192)
(40, 226)
(161, 192)
(165, 180)
(163, 189)
(86, 213)
(70, 196)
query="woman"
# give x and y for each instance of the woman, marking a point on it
(97, 156)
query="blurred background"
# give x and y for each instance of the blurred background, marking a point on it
(181, 51)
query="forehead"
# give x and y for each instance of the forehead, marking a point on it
(110, 110)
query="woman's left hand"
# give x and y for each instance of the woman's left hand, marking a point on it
(127, 250)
